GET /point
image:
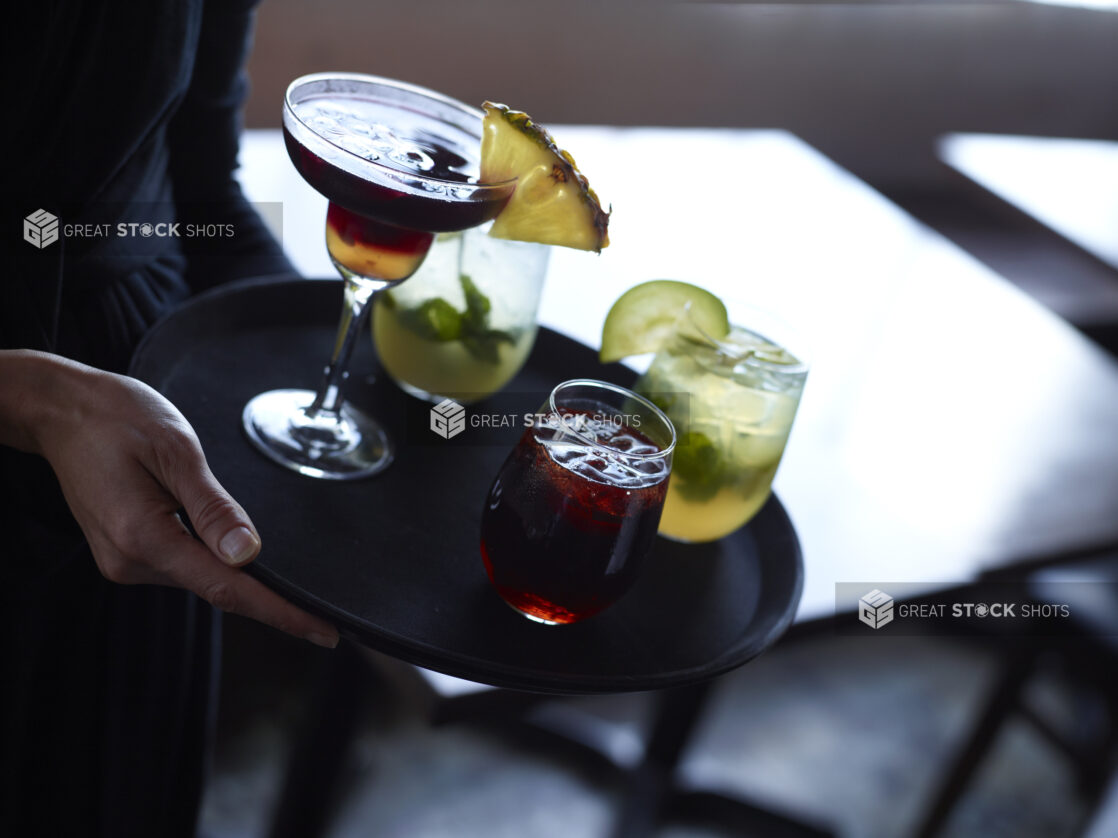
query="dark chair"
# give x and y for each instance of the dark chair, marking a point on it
(1086, 656)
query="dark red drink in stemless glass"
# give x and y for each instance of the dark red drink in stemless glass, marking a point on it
(574, 509)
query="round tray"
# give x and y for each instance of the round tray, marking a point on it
(394, 560)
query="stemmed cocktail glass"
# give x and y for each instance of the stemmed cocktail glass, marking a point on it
(399, 164)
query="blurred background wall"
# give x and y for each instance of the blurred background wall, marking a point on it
(870, 84)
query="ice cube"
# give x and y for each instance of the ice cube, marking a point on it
(325, 124)
(412, 157)
(359, 146)
(757, 450)
(747, 406)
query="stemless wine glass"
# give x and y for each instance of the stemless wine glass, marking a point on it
(573, 511)
(398, 163)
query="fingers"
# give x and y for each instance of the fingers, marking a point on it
(219, 520)
(160, 551)
(236, 592)
(189, 565)
(126, 461)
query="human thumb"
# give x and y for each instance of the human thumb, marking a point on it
(221, 522)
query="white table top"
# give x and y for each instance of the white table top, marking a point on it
(949, 423)
(1069, 185)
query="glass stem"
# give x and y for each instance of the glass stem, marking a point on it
(355, 310)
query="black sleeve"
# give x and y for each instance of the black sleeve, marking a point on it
(203, 138)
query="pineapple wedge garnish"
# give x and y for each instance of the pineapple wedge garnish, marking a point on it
(553, 202)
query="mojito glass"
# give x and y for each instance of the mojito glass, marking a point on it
(465, 323)
(732, 401)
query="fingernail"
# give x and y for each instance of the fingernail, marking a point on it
(327, 641)
(238, 545)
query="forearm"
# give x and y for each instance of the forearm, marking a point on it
(127, 461)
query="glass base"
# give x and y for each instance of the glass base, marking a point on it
(435, 398)
(346, 445)
(417, 392)
(679, 539)
(533, 617)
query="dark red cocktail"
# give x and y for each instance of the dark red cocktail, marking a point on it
(574, 509)
(390, 188)
(399, 164)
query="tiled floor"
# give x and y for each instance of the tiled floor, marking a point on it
(846, 730)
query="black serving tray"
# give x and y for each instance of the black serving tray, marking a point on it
(394, 560)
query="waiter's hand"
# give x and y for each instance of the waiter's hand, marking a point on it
(127, 460)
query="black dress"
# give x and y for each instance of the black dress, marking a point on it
(119, 113)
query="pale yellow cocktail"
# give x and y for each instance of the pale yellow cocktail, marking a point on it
(464, 325)
(732, 402)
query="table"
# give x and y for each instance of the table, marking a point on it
(1067, 184)
(950, 425)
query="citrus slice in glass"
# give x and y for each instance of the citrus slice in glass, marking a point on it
(553, 202)
(644, 317)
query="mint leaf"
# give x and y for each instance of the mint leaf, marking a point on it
(478, 339)
(477, 304)
(481, 349)
(485, 345)
(434, 319)
(697, 467)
